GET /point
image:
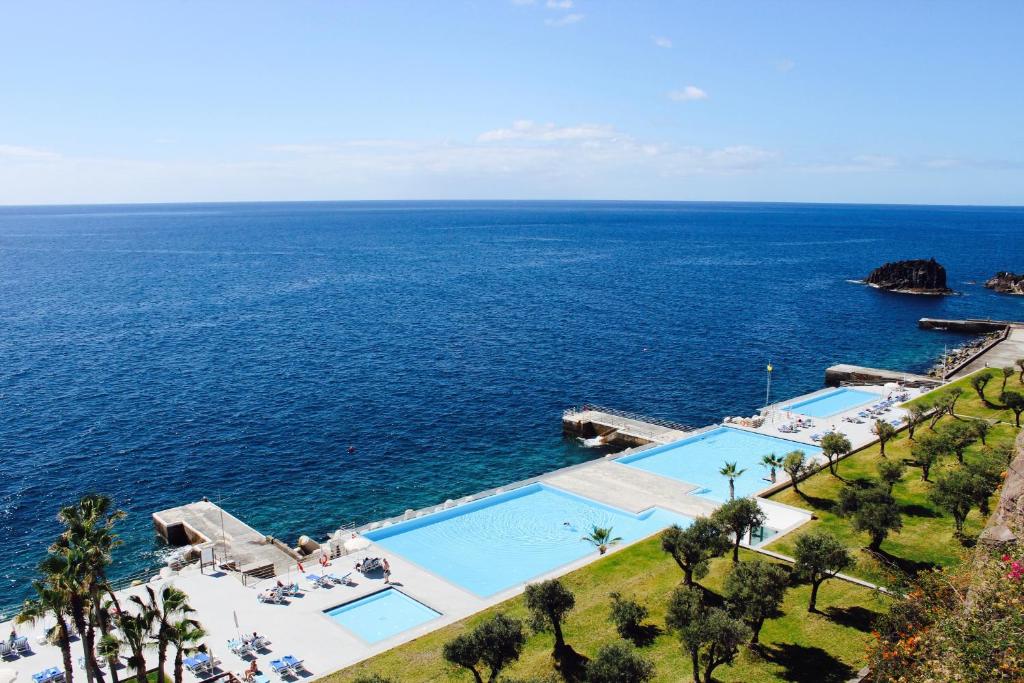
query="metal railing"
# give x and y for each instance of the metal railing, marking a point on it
(660, 422)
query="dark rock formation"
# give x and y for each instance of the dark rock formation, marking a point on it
(910, 277)
(1007, 283)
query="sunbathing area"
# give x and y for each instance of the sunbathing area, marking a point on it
(395, 580)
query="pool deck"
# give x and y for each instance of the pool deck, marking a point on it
(302, 629)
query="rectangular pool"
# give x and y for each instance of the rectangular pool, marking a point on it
(697, 460)
(498, 542)
(381, 615)
(833, 402)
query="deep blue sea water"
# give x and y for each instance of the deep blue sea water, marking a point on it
(164, 353)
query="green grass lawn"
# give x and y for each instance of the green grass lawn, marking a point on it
(926, 539)
(971, 404)
(797, 646)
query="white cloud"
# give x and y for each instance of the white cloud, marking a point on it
(688, 94)
(547, 132)
(567, 20)
(662, 41)
(785, 65)
(19, 152)
(559, 4)
(942, 163)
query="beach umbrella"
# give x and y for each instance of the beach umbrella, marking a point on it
(357, 543)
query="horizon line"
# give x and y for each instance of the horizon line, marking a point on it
(506, 201)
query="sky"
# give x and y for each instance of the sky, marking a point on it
(879, 102)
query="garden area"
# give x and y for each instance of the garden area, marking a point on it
(926, 537)
(828, 645)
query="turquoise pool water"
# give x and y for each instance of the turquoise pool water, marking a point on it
(498, 542)
(833, 402)
(698, 459)
(381, 615)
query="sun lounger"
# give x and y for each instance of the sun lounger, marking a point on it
(293, 663)
(280, 668)
(261, 678)
(21, 646)
(341, 580)
(319, 581)
(273, 595)
(7, 651)
(259, 643)
(291, 589)
(240, 647)
(51, 675)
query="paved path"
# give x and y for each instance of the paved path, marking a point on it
(1002, 355)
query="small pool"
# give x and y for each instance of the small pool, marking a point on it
(697, 460)
(381, 615)
(833, 402)
(507, 539)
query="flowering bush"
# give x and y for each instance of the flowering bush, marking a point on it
(965, 625)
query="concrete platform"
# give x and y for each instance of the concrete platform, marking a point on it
(206, 524)
(1002, 355)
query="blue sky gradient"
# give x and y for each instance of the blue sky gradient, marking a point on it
(909, 102)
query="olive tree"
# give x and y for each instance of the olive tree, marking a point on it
(927, 451)
(693, 547)
(871, 510)
(978, 383)
(884, 431)
(549, 601)
(914, 417)
(1014, 401)
(618, 663)
(710, 635)
(959, 435)
(834, 446)
(819, 556)
(754, 591)
(495, 643)
(739, 517)
(795, 463)
(890, 472)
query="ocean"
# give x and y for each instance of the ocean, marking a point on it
(163, 353)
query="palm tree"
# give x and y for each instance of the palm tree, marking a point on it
(87, 543)
(185, 635)
(773, 463)
(601, 538)
(730, 471)
(173, 603)
(50, 600)
(136, 630)
(109, 647)
(65, 570)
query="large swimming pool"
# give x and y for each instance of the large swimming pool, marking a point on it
(697, 460)
(504, 540)
(833, 402)
(381, 615)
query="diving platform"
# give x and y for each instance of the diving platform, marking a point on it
(618, 427)
(235, 544)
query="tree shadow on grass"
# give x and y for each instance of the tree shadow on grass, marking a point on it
(570, 665)
(907, 566)
(856, 617)
(806, 664)
(823, 504)
(915, 510)
(644, 634)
